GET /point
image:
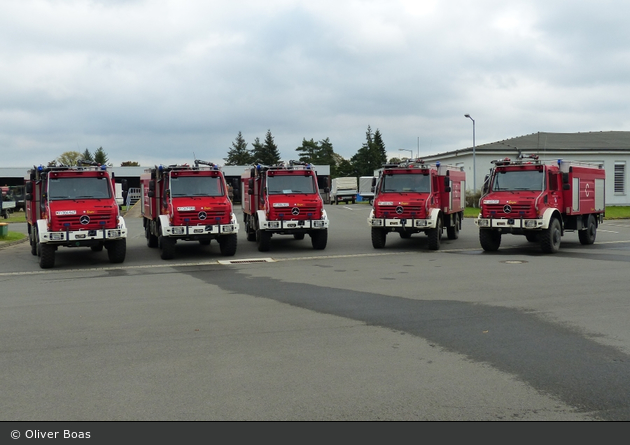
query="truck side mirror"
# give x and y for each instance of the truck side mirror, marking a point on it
(151, 185)
(373, 183)
(29, 187)
(447, 189)
(250, 184)
(250, 191)
(29, 197)
(151, 194)
(565, 178)
(447, 181)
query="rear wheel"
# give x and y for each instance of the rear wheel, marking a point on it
(490, 239)
(152, 240)
(379, 236)
(319, 239)
(550, 238)
(435, 236)
(453, 231)
(588, 236)
(117, 250)
(227, 244)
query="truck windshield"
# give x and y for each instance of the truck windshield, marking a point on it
(79, 188)
(406, 183)
(285, 184)
(516, 180)
(182, 186)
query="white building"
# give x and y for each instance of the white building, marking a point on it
(610, 148)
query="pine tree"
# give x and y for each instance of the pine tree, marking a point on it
(100, 156)
(239, 154)
(87, 156)
(270, 153)
(257, 151)
(308, 151)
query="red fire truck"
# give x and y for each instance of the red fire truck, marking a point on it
(541, 201)
(413, 197)
(73, 207)
(187, 203)
(283, 199)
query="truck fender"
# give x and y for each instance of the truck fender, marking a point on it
(324, 214)
(551, 213)
(121, 222)
(42, 227)
(261, 216)
(433, 217)
(164, 221)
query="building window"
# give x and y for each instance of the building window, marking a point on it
(620, 178)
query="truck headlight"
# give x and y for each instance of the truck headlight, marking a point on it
(421, 222)
(530, 223)
(483, 222)
(274, 224)
(177, 230)
(56, 236)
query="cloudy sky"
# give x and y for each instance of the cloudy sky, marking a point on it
(159, 81)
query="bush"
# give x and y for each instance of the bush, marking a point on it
(472, 198)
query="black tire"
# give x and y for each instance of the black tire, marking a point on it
(379, 236)
(263, 239)
(588, 236)
(227, 244)
(435, 236)
(490, 239)
(251, 233)
(532, 237)
(152, 240)
(298, 236)
(117, 250)
(97, 248)
(550, 238)
(167, 247)
(31, 239)
(319, 239)
(46, 256)
(452, 232)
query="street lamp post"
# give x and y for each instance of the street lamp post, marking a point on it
(410, 152)
(474, 166)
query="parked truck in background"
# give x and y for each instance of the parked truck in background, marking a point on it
(541, 201)
(415, 197)
(366, 188)
(73, 206)
(283, 199)
(344, 189)
(187, 203)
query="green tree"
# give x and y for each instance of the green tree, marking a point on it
(239, 154)
(100, 156)
(266, 153)
(87, 156)
(308, 151)
(257, 151)
(129, 164)
(371, 155)
(69, 158)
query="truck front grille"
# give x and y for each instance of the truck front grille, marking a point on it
(97, 220)
(194, 218)
(515, 211)
(401, 212)
(306, 212)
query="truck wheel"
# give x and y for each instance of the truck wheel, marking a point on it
(46, 256)
(31, 239)
(167, 248)
(588, 236)
(97, 248)
(152, 240)
(435, 236)
(227, 244)
(263, 238)
(490, 239)
(452, 232)
(319, 239)
(379, 237)
(116, 251)
(298, 236)
(550, 238)
(533, 237)
(251, 233)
